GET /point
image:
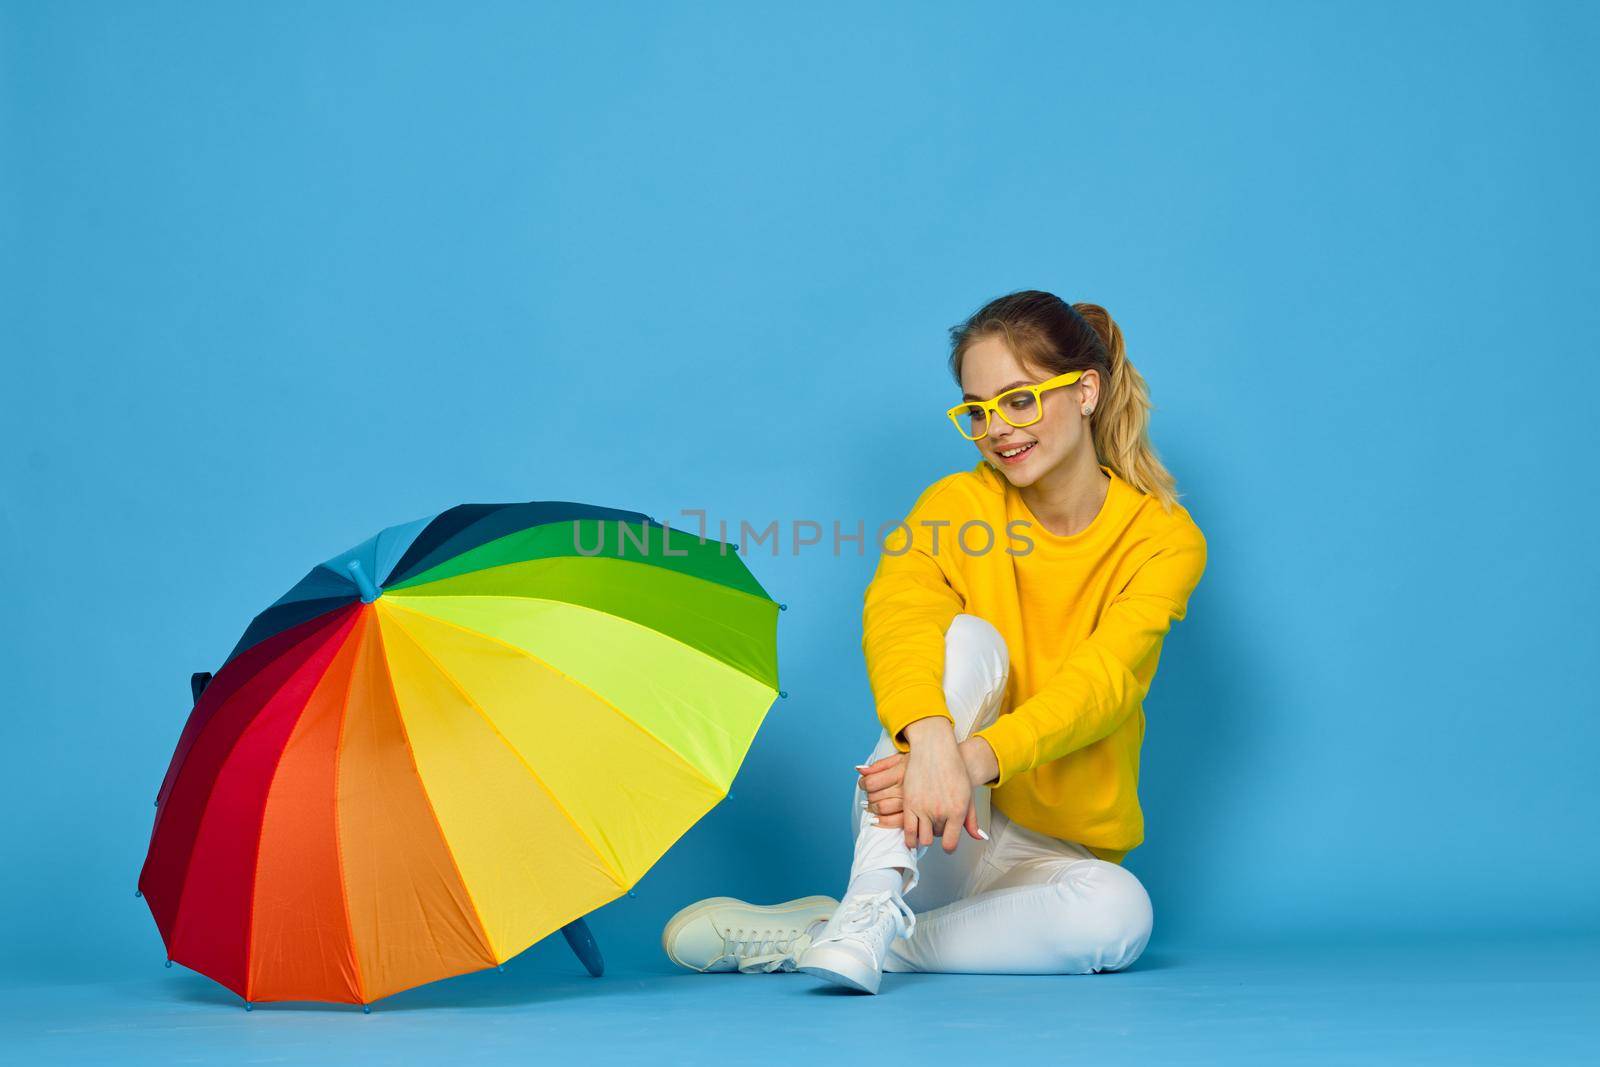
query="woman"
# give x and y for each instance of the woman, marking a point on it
(1011, 632)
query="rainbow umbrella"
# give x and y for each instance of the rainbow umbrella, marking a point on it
(451, 741)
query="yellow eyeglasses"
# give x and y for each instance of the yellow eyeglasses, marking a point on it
(1019, 407)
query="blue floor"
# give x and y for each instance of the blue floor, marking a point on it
(1426, 1001)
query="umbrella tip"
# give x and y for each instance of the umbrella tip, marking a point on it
(783, 607)
(358, 574)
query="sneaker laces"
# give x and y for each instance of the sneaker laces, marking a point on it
(764, 949)
(859, 916)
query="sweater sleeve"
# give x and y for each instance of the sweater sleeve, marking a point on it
(1107, 675)
(909, 605)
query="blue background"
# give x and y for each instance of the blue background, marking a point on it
(278, 275)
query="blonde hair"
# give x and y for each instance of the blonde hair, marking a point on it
(1043, 329)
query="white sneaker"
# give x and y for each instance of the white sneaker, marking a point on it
(851, 949)
(725, 934)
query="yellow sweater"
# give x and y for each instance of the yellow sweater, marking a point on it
(1084, 617)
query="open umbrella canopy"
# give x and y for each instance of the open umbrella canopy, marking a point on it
(450, 741)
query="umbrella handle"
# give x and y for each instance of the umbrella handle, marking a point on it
(584, 945)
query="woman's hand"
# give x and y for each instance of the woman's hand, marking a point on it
(929, 792)
(881, 781)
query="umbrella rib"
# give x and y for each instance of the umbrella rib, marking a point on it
(614, 875)
(553, 669)
(338, 835)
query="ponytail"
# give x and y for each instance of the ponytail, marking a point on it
(1121, 422)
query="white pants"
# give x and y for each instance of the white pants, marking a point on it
(1021, 902)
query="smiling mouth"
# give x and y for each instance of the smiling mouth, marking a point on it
(1012, 455)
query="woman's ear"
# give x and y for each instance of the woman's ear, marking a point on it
(1089, 391)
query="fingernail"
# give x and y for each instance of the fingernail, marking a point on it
(983, 833)
(862, 767)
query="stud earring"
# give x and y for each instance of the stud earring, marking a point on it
(1089, 410)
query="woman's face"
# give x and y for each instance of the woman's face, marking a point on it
(988, 369)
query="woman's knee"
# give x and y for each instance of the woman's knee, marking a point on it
(976, 635)
(977, 665)
(1110, 918)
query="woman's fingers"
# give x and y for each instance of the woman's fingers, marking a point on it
(886, 805)
(951, 836)
(919, 828)
(881, 779)
(972, 823)
(885, 793)
(884, 764)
